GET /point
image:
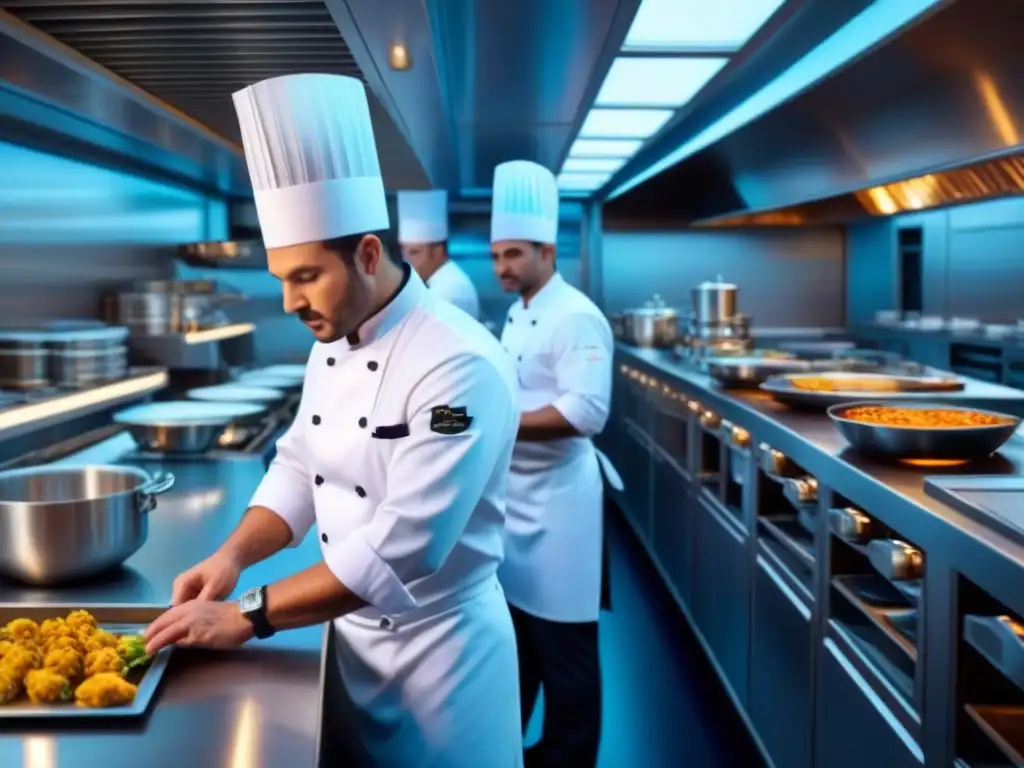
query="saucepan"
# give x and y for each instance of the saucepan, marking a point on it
(60, 524)
(185, 426)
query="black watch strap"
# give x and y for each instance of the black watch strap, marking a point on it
(254, 608)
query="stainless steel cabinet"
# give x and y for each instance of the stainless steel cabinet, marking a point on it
(781, 661)
(672, 515)
(634, 464)
(854, 728)
(721, 592)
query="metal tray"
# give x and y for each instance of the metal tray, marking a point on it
(120, 619)
(751, 372)
(783, 389)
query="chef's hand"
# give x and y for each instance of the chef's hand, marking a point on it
(213, 579)
(199, 624)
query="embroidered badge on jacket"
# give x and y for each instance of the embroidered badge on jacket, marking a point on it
(446, 420)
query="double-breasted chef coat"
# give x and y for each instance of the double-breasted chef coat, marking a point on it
(452, 284)
(399, 456)
(562, 346)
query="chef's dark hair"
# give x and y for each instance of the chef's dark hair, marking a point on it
(346, 246)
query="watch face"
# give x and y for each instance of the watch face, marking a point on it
(251, 600)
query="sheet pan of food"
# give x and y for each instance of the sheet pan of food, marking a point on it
(62, 661)
(826, 388)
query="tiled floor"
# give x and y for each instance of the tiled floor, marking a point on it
(663, 704)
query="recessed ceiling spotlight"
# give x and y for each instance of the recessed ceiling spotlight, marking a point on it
(398, 56)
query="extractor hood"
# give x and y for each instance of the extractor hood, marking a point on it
(932, 117)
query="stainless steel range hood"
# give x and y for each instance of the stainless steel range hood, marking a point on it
(933, 117)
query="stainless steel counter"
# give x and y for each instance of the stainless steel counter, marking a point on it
(258, 706)
(895, 492)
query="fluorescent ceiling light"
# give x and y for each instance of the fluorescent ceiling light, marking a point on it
(865, 30)
(605, 147)
(592, 164)
(656, 81)
(674, 25)
(582, 181)
(624, 123)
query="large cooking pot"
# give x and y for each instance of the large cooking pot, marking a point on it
(62, 524)
(185, 426)
(655, 325)
(714, 303)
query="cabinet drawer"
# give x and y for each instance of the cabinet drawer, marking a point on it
(672, 515)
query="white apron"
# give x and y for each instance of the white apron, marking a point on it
(554, 519)
(430, 664)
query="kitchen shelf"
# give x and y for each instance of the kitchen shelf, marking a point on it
(1005, 727)
(17, 420)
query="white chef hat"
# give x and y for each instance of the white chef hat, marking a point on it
(525, 205)
(423, 216)
(312, 159)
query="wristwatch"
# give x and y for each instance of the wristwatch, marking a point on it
(253, 603)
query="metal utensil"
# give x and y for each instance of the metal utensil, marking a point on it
(742, 372)
(184, 426)
(236, 393)
(61, 524)
(896, 560)
(923, 443)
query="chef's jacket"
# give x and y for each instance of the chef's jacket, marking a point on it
(452, 284)
(562, 346)
(399, 454)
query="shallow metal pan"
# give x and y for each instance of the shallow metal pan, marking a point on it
(119, 619)
(185, 426)
(751, 372)
(237, 393)
(910, 443)
(891, 387)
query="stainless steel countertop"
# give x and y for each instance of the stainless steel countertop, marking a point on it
(893, 493)
(258, 706)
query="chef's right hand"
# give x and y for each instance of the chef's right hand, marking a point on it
(213, 579)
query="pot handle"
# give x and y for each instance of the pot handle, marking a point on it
(158, 483)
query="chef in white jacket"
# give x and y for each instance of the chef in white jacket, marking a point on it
(399, 457)
(552, 574)
(423, 235)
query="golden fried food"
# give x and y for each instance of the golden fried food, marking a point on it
(98, 640)
(105, 690)
(44, 686)
(104, 660)
(23, 631)
(19, 660)
(825, 384)
(65, 642)
(10, 687)
(65, 661)
(80, 621)
(5, 645)
(51, 629)
(923, 418)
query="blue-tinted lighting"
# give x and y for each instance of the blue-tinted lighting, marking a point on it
(592, 164)
(623, 148)
(582, 181)
(676, 25)
(656, 81)
(872, 25)
(624, 123)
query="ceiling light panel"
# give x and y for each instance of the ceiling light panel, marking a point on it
(681, 25)
(592, 164)
(656, 81)
(582, 182)
(624, 148)
(624, 123)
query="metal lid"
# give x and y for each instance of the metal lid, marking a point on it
(182, 413)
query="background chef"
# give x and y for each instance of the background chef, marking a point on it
(399, 455)
(423, 235)
(552, 572)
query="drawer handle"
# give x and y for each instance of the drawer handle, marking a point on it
(999, 639)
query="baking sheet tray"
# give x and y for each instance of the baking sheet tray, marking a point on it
(119, 619)
(783, 389)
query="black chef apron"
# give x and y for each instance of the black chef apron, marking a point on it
(606, 570)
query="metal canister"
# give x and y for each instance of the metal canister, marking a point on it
(714, 303)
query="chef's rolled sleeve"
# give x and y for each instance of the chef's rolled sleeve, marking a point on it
(434, 482)
(582, 348)
(286, 490)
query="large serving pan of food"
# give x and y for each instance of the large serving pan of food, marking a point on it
(63, 661)
(821, 389)
(921, 430)
(63, 524)
(185, 426)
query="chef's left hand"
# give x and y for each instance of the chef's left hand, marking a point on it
(199, 624)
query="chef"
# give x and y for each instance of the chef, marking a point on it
(552, 574)
(398, 456)
(423, 235)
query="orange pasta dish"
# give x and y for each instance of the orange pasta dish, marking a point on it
(922, 418)
(823, 384)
